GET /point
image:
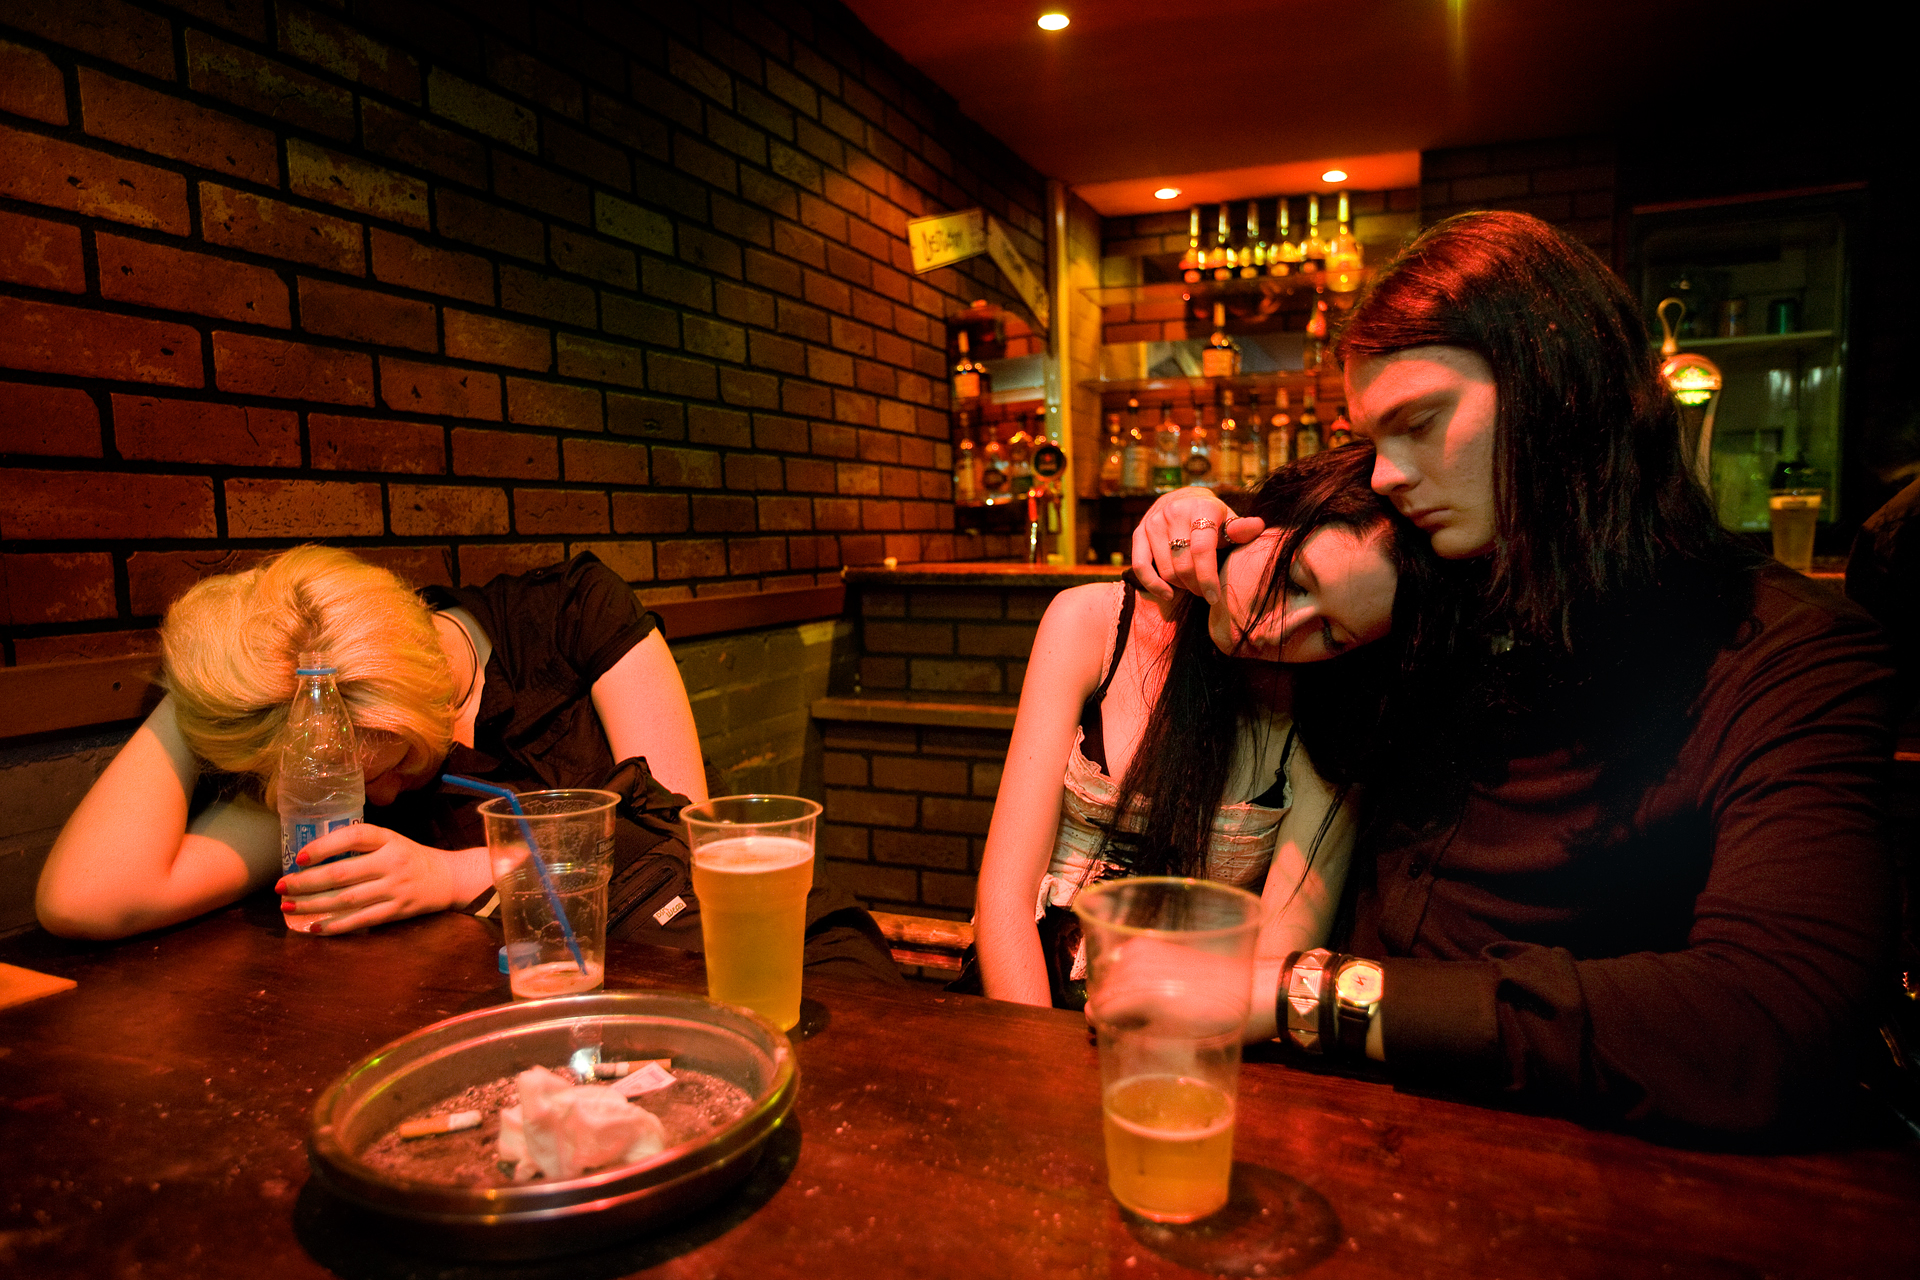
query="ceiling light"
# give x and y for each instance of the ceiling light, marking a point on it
(1167, 193)
(1053, 21)
(1334, 175)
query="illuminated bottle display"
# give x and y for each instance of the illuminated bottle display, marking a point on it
(995, 478)
(1344, 256)
(1166, 451)
(1226, 446)
(1193, 260)
(1341, 432)
(1221, 359)
(1197, 464)
(1020, 458)
(1253, 449)
(1223, 255)
(1112, 458)
(1285, 257)
(1136, 458)
(1306, 436)
(1279, 433)
(1313, 249)
(966, 465)
(1253, 256)
(970, 378)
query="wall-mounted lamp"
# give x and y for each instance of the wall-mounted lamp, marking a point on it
(1054, 21)
(1334, 175)
(1167, 193)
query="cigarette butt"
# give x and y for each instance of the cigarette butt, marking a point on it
(614, 1070)
(451, 1122)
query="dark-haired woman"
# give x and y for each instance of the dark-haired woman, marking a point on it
(1181, 721)
(1631, 864)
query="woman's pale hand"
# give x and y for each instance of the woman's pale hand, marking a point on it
(391, 879)
(1195, 517)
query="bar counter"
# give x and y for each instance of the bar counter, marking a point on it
(154, 1123)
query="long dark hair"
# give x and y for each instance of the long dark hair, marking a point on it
(1611, 583)
(1185, 757)
(1595, 501)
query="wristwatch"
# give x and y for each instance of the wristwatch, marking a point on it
(1307, 1004)
(1357, 988)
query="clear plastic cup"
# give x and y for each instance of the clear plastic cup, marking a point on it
(547, 919)
(752, 868)
(1169, 977)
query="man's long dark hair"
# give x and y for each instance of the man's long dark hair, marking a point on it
(1594, 498)
(1185, 757)
(1610, 584)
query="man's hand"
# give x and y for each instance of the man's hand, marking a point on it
(1196, 518)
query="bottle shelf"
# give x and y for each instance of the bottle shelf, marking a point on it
(1761, 343)
(1289, 379)
(1298, 282)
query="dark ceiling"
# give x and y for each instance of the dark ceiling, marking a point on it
(1143, 89)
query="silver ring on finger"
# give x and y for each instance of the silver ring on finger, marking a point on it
(1201, 522)
(1178, 544)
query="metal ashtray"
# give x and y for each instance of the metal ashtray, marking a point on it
(539, 1218)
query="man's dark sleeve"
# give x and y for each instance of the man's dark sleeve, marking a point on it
(1789, 934)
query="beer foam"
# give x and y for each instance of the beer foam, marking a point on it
(752, 854)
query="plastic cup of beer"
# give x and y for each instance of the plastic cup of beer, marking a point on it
(1794, 515)
(1170, 970)
(752, 868)
(546, 918)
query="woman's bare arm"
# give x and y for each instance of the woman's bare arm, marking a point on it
(128, 861)
(1062, 670)
(642, 703)
(1303, 885)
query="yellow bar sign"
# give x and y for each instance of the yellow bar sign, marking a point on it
(946, 238)
(1019, 272)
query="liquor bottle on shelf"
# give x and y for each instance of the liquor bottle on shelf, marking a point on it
(1313, 250)
(996, 482)
(1226, 445)
(1344, 256)
(1306, 436)
(1253, 449)
(1223, 257)
(1196, 462)
(1279, 433)
(1221, 359)
(1020, 458)
(1112, 461)
(1193, 260)
(1341, 432)
(970, 378)
(1314, 352)
(966, 465)
(1136, 459)
(1253, 258)
(1166, 451)
(1284, 259)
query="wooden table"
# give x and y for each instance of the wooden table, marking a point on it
(152, 1123)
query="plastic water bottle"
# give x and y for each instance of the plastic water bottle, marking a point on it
(321, 788)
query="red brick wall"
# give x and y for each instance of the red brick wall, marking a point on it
(468, 286)
(1570, 182)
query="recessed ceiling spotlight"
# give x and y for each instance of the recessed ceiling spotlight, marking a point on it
(1167, 193)
(1334, 175)
(1054, 21)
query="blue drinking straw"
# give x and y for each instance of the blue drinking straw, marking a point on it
(539, 864)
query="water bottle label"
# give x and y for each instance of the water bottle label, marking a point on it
(300, 832)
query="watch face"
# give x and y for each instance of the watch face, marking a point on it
(1359, 984)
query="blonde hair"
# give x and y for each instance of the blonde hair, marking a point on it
(230, 644)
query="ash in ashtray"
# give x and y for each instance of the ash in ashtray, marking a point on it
(690, 1108)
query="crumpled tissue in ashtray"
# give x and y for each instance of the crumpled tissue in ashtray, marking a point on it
(563, 1130)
